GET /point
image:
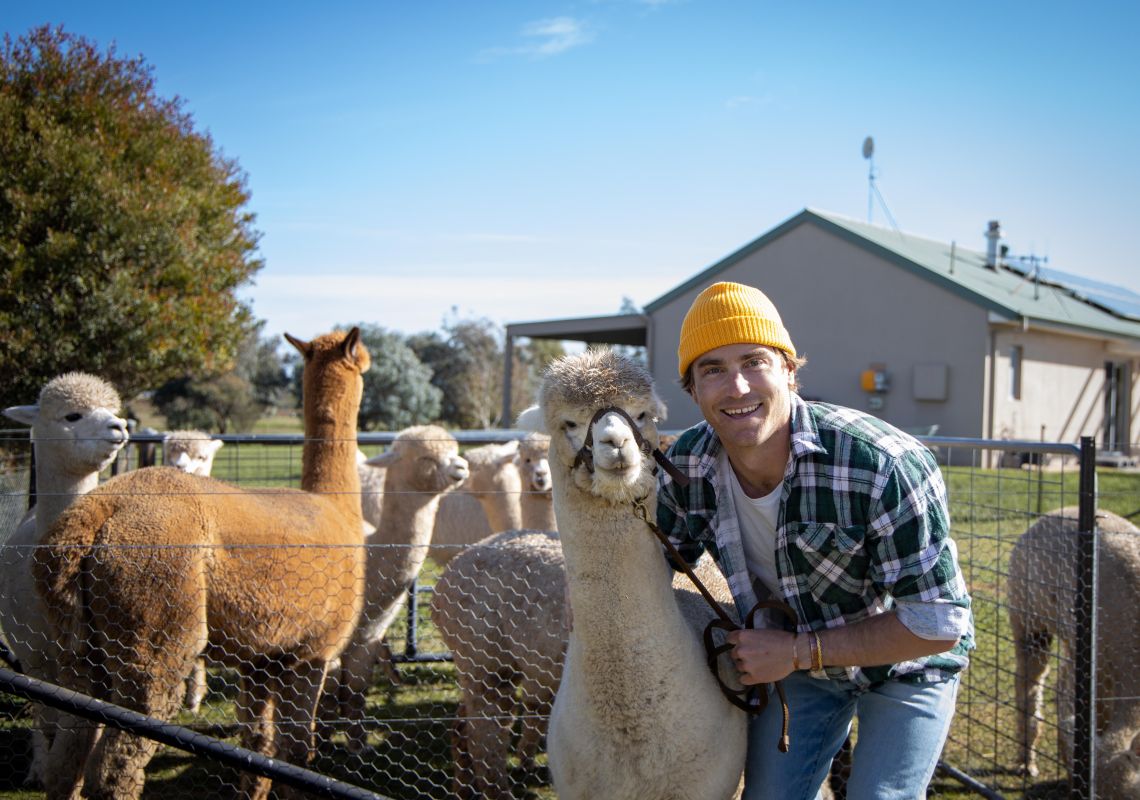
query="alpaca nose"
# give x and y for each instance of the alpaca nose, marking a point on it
(118, 429)
(613, 432)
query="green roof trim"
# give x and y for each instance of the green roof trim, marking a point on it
(959, 270)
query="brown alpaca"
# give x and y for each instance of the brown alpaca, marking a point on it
(143, 572)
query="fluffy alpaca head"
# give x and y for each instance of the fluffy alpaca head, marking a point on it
(333, 362)
(191, 451)
(574, 388)
(423, 458)
(493, 468)
(533, 459)
(75, 425)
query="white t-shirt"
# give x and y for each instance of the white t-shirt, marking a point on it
(757, 518)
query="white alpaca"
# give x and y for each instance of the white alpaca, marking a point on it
(537, 500)
(638, 715)
(192, 452)
(500, 607)
(76, 434)
(1042, 597)
(422, 464)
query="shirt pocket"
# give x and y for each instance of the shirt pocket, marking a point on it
(831, 561)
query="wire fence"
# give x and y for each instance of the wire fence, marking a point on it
(445, 688)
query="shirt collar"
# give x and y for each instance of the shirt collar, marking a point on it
(805, 434)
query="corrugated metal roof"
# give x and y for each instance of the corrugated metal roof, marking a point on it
(1008, 292)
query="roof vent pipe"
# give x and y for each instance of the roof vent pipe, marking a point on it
(993, 235)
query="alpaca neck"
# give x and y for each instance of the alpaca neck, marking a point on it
(502, 510)
(56, 489)
(408, 516)
(538, 511)
(620, 585)
(328, 463)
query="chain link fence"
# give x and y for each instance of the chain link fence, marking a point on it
(447, 691)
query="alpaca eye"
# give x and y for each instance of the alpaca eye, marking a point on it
(73, 417)
(570, 425)
(641, 417)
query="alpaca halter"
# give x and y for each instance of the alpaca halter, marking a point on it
(586, 451)
(738, 697)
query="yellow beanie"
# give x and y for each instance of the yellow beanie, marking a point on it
(730, 313)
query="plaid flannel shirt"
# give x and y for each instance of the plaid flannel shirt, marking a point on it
(863, 525)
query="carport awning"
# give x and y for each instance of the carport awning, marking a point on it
(628, 329)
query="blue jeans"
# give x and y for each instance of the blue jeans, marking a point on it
(902, 727)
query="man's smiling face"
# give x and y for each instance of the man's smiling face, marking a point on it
(744, 391)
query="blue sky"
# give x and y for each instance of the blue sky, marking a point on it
(532, 160)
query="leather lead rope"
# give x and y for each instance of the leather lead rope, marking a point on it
(738, 697)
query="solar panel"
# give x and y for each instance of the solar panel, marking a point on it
(1116, 299)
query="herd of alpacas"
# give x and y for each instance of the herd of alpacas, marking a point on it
(126, 590)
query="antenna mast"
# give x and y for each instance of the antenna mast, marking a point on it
(869, 154)
(872, 190)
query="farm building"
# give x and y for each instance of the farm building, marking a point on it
(930, 336)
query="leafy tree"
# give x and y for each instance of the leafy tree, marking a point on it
(632, 352)
(397, 389)
(123, 232)
(225, 403)
(530, 358)
(231, 401)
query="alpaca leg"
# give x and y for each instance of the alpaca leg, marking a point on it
(489, 710)
(535, 705)
(196, 686)
(464, 777)
(1032, 666)
(257, 700)
(45, 724)
(116, 769)
(70, 749)
(357, 661)
(302, 687)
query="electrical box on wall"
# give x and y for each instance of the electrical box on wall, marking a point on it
(875, 379)
(931, 382)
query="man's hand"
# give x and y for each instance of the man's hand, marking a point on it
(763, 655)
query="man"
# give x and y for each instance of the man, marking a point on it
(845, 519)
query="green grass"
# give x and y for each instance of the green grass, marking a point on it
(408, 754)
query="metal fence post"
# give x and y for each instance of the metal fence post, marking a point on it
(1084, 653)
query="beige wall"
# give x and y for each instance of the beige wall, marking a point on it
(1063, 382)
(846, 309)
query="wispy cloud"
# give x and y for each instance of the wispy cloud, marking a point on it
(545, 38)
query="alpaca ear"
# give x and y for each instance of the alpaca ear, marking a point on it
(351, 345)
(214, 445)
(509, 452)
(382, 460)
(303, 347)
(531, 419)
(25, 414)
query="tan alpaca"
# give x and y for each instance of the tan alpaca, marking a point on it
(422, 465)
(537, 500)
(488, 502)
(500, 607)
(1042, 588)
(192, 451)
(145, 570)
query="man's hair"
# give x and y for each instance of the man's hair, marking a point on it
(792, 363)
